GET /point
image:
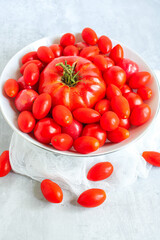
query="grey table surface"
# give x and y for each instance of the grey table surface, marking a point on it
(131, 213)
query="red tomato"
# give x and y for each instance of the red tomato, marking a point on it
(45, 129)
(51, 191)
(26, 121)
(94, 130)
(86, 144)
(70, 50)
(81, 45)
(112, 91)
(109, 61)
(103, 106)
(62, 141)
(116, 53)
(89, 52)
(24, 100)
(29, 56)
(86, 115)
(145, 92)
(152, 158)
(133, 99)
(62, 115)
(92, 198)
(104, 44)
(42, 105)
(128, 66)
(109, 121)
(5, 166)
(23, 85)
(37, 62)
(100, 62)
(120, 106)
(125, 89)
(115, 75)
(118, 135)
(45, 54)
(11, 87)
(64, 86)
(140, 114)
(100, 171)
(67, 39)
(56, 49)
(31, 74)
(89, 36)
(124, 123)
(139, 79)
(74, 129)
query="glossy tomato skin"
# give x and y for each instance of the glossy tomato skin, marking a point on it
(109, 121)
(145, 92)
(101, 62)
(70, 50)
(100, 171)
(31, 74)
(110, 62)
(29, 56)
(57, 50)
(116, 53)
(103, 106)
(74, 129)
(89, 52)
(11, 88)
(23, 85)
(62, 115)
(118, 135)
(89, 36)
(81, 45)
(104, 44)
(86, 144)
(86, 115)
(42, 106)
(152, 157)
(115, 75)
(92, 198)
(125, 89)
(62, 141)
(120, 106)
(67, 39)
(24, 100)
(26, 121)
(140, 114)
(139, 79)
(124, 123)
(112, 91)
(51, 191)
(94, 130)
(37, 62)
(45, 54)
(5, 166)
(128, 66)
(133, 99)
(45, 129)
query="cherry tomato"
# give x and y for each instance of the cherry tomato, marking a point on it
(100, 171)
(26, 121)
(124, 123)
(152, 158)
(31, 74)
(118, 135)
(116, 53)
(67, 39)
(62, 115)
(37, 62)
(29, 56)
(100, 62)
(94, 130)
(89, 36)
(23, 85)
(145, 92)
(51, 191)
(104, 44)
(140, 114)
(139, 79)
(45, 129)
(92, 198)
(120, 106)
(115, 75)
(110, 62)
(62, 141)
(89, 52)
(24, 100)
(125, 89)
(70, 50)
(56, 49)
(86, 144)
(74, 129)
(86, 115)
(128, 66)
(11, 87)
(133, 99)
(42, 105)
(109, 121)
(112, 91)
(5, 166)
(45, 54)
(103, 106)
(81, 45)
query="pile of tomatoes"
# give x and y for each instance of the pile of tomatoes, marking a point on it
(80, 94)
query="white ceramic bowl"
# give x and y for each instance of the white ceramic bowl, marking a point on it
(10, 113)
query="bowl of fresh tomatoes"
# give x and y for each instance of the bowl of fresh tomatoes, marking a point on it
(79, 94)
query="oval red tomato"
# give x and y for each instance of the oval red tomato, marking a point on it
(81, 45)
(116, 53)
(139, 79)
(100, 171)
(51, 191)
(11, 87)
(109, 121)
(145, 92)
(103, 106)
(104, 44)
(70, 50)
(42, 106)
(101, 62)
(67, 39)
(120, 106)
(118, 135)
(31, 74)
(133, 99)
(125, 89)
(89, 36)
(45, 54)
(29, 56)
(5, 166)
(112, 91)
(62, 141)
(152, 157)
(128, 66)
(37, 62)
(62, 115)
(24, 100)
(74, 129)
(89, 52)
(86, 115)
(86, 144)
(115, 75)
(140, 114)
(26, 121)
(57, 50)
(124, 123)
